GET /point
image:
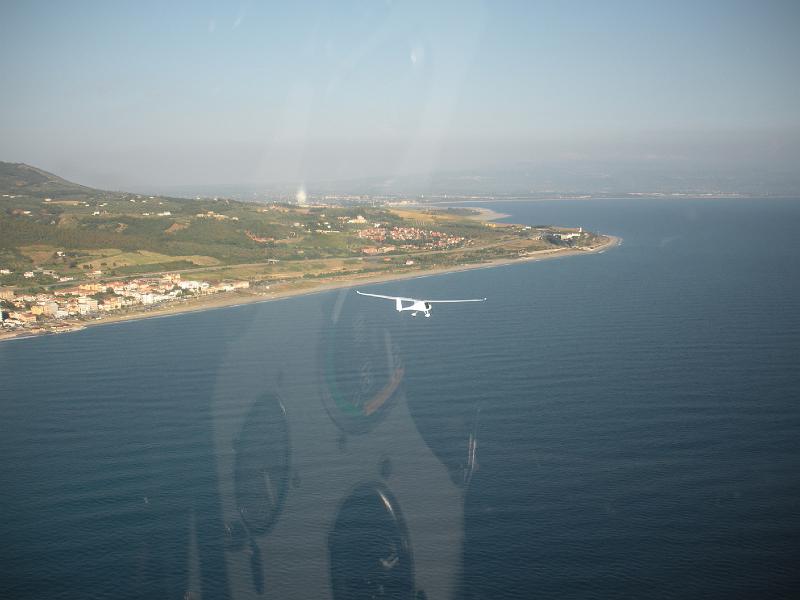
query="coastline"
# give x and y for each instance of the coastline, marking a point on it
(485, 214)
(306, 287)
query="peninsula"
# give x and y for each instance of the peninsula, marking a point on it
(73, 256)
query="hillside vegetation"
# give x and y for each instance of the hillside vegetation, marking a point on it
(19, 178)
(48, 223)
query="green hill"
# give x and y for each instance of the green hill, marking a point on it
(54, 228)
(19, 178)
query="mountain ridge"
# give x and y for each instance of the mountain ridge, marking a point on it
(22, 178)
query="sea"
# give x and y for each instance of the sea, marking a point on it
(615, 425)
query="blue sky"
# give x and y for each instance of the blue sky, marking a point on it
(119, 94)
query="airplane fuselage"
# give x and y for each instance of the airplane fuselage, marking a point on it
(415, 307)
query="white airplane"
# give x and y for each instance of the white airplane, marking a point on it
(416, 306)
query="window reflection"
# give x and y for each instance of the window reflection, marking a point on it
(359, 501)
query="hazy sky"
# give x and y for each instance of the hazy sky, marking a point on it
(117, 94)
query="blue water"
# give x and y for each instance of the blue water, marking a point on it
(621, 425)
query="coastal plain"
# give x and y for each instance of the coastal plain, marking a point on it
(72, 256)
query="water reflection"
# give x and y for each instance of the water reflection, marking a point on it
(361, 368)
(256, 567)
(369, 548)
(261, 468)
(451, 434)
(298, 518)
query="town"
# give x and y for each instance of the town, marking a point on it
(47, 311)
(409, 238)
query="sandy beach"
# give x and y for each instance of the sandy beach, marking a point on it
(303, 287)
(485, 214)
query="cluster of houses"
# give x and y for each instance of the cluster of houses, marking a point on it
(423, 238)
(210, 214)
(88, 299)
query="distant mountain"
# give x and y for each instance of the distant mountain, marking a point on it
(19, 178)
(577, 178)
(595, 178)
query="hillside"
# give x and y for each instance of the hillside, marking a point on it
(19, 178)
(58, 232)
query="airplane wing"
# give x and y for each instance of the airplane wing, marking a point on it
(443, 301)
(387, 297)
